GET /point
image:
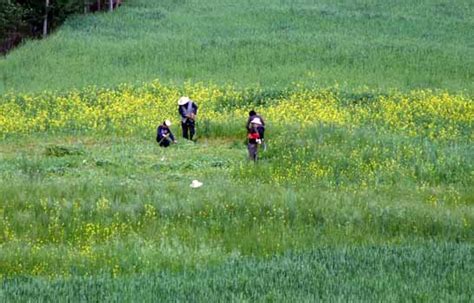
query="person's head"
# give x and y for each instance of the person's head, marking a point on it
(252, 113)
(183, 100)
(167, 123)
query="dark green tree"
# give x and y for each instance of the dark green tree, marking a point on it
(12, 24)
(36, 18)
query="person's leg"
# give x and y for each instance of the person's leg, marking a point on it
(261, 132)
(184, 127)
(165, 143)
(191, 130)
(252, 151)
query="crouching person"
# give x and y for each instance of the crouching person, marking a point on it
(164, 136)
(253, 137)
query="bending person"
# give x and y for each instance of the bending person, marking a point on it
(187, 110)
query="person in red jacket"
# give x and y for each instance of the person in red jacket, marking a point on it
(260, 127)
(254, 139)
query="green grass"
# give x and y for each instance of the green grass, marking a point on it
(84, 205)
(80, 197)
(428, 273)
(107, 217)
(381, 209)
(380, 44)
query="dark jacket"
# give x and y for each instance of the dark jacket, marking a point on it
(182, 109)
(161, 133)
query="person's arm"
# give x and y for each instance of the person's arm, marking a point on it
(263, 121)
(195, 108)
(181, 111)
(248, 123)
(159, 134)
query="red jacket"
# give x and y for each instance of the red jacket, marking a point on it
(253, 136)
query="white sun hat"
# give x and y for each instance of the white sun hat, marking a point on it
(167, 122)
(256, 121)
(183, 100)
(195, 184)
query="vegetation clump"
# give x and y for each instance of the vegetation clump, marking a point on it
(363, 193)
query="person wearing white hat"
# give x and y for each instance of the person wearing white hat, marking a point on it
(260, 127)
(164, 136)
(187, 110)
(253, 137)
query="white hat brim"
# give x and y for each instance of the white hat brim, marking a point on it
(183, 100)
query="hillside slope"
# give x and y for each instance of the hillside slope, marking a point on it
(380, 44)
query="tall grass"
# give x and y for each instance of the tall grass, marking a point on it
(89, 212)
(270, 43)
(363, 194)
(420, 273)
(122, 205)
(86, 190)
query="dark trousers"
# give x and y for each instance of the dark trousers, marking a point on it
(188, 129)
(165, 143)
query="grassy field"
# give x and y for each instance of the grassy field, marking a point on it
(89, 198)
(364, 193)
(422, 273)
(269, 43)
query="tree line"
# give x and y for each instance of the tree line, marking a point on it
(20, 19)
